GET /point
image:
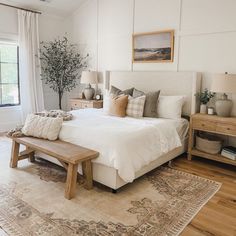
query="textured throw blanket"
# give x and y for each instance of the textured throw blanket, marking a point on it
(56, 114)
(52, 113)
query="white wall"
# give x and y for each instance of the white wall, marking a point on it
(49, 28)
(205, 33)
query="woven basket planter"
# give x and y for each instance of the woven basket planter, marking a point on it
(208, 143)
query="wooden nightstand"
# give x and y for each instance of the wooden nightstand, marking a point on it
(211, 124)
(77, 103)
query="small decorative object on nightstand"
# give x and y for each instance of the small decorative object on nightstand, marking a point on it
(89, 77)
(204, 97)
(98, 97)
(77, 103)
(211, 124)
(224, 83)
(210, 111)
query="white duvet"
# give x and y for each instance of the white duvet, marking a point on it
(126, 144)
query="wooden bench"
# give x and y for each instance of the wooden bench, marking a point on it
(69, 155)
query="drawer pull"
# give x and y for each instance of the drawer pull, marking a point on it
(203, 125)
(228, 128)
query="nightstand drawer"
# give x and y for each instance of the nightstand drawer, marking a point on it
(204, 125)
(226, 128)
(86, 105)
(75, 105)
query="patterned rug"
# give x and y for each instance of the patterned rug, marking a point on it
(160, 203)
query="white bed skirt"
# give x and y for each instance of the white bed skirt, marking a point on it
(109, 176)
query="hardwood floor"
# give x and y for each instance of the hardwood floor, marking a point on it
(218, 216)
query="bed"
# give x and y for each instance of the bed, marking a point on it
(131, 147)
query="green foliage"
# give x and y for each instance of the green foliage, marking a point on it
(61, 65)
(205, 96)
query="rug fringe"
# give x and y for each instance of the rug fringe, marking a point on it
(193, 211)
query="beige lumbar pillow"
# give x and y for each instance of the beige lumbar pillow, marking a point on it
(42, 127)
(118, 105)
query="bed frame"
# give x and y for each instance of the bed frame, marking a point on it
(170, 83)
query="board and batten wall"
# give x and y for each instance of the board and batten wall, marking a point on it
(49, 27)
(205, 34)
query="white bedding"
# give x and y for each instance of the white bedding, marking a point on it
(126, 144)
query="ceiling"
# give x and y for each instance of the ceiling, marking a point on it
(61, 8)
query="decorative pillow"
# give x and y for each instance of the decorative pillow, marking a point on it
(118, 106)
(42, 127)
(115, 91)
(106, 103)
(137, 93)
(170, 106)
(150, 107)
(135, 106)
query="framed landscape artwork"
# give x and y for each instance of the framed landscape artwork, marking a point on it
(153, 47)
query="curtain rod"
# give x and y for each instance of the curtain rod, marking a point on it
(20, 8)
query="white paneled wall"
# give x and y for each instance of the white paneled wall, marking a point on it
(115, 34)
(205, 33)
(207, 16)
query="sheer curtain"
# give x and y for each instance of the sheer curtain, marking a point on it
(31, 89)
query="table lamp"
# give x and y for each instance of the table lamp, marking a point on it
(89, 77)
(224, 83)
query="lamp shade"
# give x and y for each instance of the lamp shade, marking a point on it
(89, 77)
(224, 83)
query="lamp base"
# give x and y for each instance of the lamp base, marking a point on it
(223, 107)
(89, 92)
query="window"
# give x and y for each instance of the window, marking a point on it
(9, 75)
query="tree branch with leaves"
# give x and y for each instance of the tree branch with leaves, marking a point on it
(61, 65)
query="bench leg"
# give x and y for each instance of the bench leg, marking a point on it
(71, 181)
(31, 157)
(14, 154)
(88, 174)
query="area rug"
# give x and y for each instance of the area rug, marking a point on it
(160, 203)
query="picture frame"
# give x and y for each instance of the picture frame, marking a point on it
(153, 47)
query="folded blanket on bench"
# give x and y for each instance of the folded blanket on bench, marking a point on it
(17, 132)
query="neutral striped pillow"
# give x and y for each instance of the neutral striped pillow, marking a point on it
(135, 106)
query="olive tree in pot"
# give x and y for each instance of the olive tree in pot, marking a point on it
(61, 65)
(204, 97)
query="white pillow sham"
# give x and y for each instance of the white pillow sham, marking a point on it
(42, 127)
(135, 106)
(170, 106)
(106, 103)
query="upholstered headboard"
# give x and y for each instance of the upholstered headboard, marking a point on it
(170, 83)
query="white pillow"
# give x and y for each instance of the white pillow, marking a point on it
(42, 127)
(106, 103)
(135, 106)
(170, 106)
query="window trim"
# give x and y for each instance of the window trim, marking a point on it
(18, 80)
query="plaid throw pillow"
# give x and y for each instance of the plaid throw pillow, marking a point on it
(135, 106)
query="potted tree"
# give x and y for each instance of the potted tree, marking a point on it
(204, 97)
(61, 65)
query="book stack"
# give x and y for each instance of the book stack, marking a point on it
(229, 152)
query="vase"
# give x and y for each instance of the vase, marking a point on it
(203, 108)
